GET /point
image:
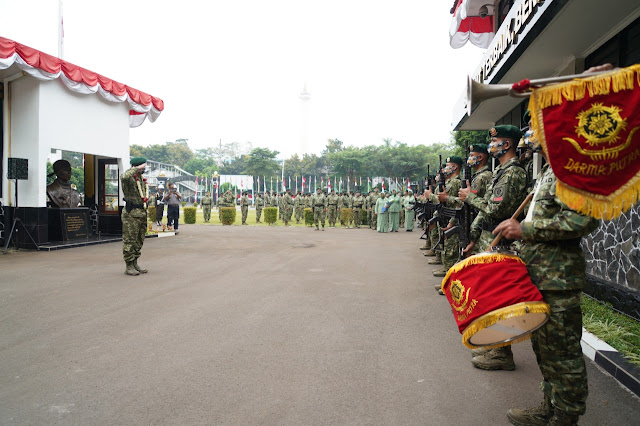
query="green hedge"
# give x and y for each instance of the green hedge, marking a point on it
(151, 213)
(346, 215)
(270, 215)
(364, 216)
(189, 215)
(183, 203)
(195, 205)
(308, 217)
(228, 215)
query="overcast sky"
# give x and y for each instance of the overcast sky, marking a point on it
(233, 70)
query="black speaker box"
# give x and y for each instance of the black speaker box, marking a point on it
(18, 168)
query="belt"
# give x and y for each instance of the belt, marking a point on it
(319, 205)
(333, 204)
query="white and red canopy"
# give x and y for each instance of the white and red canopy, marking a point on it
(468, 25)
(46, 67)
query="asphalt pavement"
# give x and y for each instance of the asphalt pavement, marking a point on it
(253, 325)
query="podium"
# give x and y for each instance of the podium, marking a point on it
(68, 224)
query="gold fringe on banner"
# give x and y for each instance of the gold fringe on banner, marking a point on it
(486, 257)
(491, 318)
(594, 205)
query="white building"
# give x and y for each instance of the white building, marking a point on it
(49, 104)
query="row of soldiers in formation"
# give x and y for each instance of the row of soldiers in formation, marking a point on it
(548, 240)
(394, 212)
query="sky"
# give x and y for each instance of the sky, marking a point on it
(232, 71)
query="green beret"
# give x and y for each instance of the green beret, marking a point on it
(479, 147)
(506, 131)
(455, 159)
(136, 161)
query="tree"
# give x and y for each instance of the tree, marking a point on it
(471, 136)
(261, 162)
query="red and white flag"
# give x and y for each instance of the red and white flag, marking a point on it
(465, 27)
(303, 182)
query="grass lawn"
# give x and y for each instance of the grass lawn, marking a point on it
(619, 331)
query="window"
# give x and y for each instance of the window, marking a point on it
(111, 189)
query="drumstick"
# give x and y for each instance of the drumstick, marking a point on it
(498, 237)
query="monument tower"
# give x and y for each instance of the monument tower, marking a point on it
(305, 97)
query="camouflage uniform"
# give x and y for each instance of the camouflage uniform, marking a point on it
(244, 208)
(402, 211)
(332, 209)
(556, 265)
(134, 219)
(206, 207)
(298, 205)
(287, 208)
(319, 202)
(259, 206)
(451, 251)
(345, 203)
(358, 202)
(373, 216)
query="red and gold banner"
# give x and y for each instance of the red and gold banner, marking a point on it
(590, 130)
(487, 288)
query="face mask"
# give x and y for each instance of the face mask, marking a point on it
(531, 142)
(496, 149)
(449, 170)
(474, 160)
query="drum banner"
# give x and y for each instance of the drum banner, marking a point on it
(589, 129)
(487, 288)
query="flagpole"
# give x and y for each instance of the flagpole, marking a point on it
(60, 32)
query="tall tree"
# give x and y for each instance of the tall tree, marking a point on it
(261, 162)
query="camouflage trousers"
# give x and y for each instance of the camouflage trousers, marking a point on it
(134, 228)
(286, 214)
(434, 236)
(206, 212)
(299, 214)
(332, 215)
(451, 252)
(245, 211)
(373, 219)
(318, 215)
(258, 213)
(402, 218)
(559, 354)
(357, 217)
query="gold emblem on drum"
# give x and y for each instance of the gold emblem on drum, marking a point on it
(460, 295)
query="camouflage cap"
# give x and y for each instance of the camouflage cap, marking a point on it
(506, 131)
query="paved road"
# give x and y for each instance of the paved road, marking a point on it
(252, 325)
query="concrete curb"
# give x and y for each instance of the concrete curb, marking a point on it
(627, 374)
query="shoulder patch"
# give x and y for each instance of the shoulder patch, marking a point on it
(498, 193)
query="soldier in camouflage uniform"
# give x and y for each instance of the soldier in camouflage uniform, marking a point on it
(298, 205)
(503, 196)
(134, 215)
(206, 206)
(319, 202)
(401, 214)
(373, 216)
(345, 203)
(259, 207)
(449, 197)
(244, 207)
(358, 202)
(332, 209)
(434, 230)
(287, 207)
(551, 235)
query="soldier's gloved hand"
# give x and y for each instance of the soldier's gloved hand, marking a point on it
(510, 229)
(464, 192)
(442, 196)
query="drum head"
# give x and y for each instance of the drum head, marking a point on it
(506, 325)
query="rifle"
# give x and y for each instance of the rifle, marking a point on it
(465, 230)
(441, 219)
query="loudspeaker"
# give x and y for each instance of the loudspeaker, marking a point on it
(18, 168)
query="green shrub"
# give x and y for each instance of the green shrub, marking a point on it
(195, 205)
(183, 203)
(151, 213)
(346, 216)
(228, 215)
(364, 216)
(189, 215)
(308, 217)
(270, 215)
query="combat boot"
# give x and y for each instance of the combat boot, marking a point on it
(440, 273)
(478, 352)
(438, 286)
(429, 253)
(495, 359)
(139, 268)
(435, 261)
(317, 229)
(560, 418)
(534, 416)
(426, 245)
(130, 269)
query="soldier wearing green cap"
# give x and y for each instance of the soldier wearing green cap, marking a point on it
(449, 198)
(259, 207)
(134, 215)
(206, 206)
(503, 196)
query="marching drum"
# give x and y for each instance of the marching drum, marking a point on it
(493, 300)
